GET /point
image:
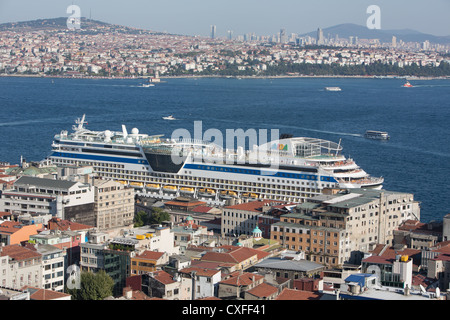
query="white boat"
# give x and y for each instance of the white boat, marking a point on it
(377, 135)
(146, 85)
(169, 118)
(333, 89)
(287, 169)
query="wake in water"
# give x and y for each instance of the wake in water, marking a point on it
(25, 122)
(290, 127)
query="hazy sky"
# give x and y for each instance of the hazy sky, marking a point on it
(264, 17)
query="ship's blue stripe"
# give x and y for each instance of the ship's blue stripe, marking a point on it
(258, 172)
(84, 156)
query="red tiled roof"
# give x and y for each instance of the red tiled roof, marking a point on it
(150, 255)
(234, 254)
(209, 298)
(163, 277)
(43, 294)
(254, 206)
(290, 294)
(244, 279)
(58, 224)
(10, 227)
(263, 290)
(201, 209)
(204, 272)
(18, 253)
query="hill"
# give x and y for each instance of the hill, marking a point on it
(60, 24)
(347, 30)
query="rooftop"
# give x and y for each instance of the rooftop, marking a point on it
(294, 265)
(45, 183)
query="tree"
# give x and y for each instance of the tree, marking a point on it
(158, 215)
(94, 286)
(140, 219)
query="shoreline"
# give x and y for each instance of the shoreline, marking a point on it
(225, 77)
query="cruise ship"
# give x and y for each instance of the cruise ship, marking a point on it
(291, 169)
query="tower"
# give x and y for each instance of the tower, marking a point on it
(320, 40)
(213, 32)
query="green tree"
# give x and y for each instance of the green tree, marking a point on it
(158, 216)
(140, 219)
(94, 286)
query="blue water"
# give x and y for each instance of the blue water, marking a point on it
(416, 159)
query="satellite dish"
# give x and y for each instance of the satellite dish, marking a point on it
(422, 289)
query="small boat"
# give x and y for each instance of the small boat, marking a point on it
(146, 85)
(333, 89)
(153, 186)
(136, 184)
(407, 85)
(377, 135)
(169, 118)
(169, 188)
(187, 190)
(250, 195)
(207, 193)
(227, 194)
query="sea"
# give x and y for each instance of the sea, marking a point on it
(415, 160)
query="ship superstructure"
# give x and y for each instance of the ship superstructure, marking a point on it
(291, 169)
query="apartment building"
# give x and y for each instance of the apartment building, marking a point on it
(148, 261)
(60, 198)
(53, 266)
(114, 204)
(19, 267)
(340, 225)
(12, 232)
(243, 218)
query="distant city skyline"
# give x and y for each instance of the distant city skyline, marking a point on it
(261, 17)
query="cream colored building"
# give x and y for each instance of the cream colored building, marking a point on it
(368, 217)
(114, 204)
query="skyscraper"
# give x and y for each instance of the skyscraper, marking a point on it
(320, 40)
(213, 32)
(394, 41)
(283, 37)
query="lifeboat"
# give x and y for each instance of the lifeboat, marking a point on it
(207, 192)
(187, 190)
(227, 194)
(136, 184)
(153, 186)
(170, 188)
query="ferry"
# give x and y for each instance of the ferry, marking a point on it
(290, 169)
(377, 135)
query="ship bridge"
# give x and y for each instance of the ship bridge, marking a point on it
(304, 147)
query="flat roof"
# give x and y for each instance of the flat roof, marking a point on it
(44, 182)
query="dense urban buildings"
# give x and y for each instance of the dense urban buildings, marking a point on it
(337, 244)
